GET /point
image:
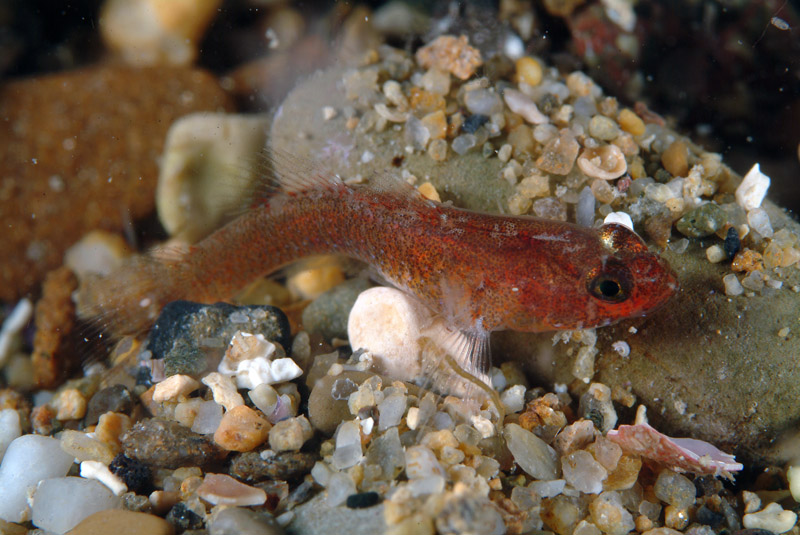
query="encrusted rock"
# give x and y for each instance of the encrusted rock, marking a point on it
(168, 444)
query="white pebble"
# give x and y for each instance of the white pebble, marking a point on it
(13, 324)
(259, 371)
(209, 415)
(100, 472)
(621, 218)
(793, 475)
(716, 254)
(521, 104)
(348, 450)
(421, 462)
(60, 504)
(28, 460)
(10, 429)
(753, 189)
(531, 453)
(758, 219)
(328, 113)
(224, 390)
(583, 472)
(484, 426)
(771, 518)
(513, 398)
(340, 486)
(173, 387)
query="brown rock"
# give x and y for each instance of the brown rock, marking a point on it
(242, 429)
(676, 158)
(121, 522)
(79, 151)
(285, 465)
(168, 444)
(55, 318)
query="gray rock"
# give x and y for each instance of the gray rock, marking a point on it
(315, 516)
(327, 314)
(168, 444)
(237, 521)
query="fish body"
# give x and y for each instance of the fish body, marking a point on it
(480, 272)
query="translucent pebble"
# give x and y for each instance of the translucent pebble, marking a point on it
(321, 473)
(793, 475)
(583, 472)
(548, 489)
(772, 518)
(716, 254)
(436, 81)
(436, 124)
(340, 486)
(584, 212)
(603, 191)
(394, 93)
(753, 189)
(513, 398)
(583, 367)
(348, 450)
(437, 150)
(758, 219)
(463, 143)
(732, 285)
(421, 462)
(586, 528)
(83, 447)
(483, 102)
(585, 106)
(609, 515)
(391, 411)
(416, 134)
(675, 489)
(602, 127)
(265, 397)
(519, 204)
(558, 156)
(550, 208)
(522, 105)
(60, 504)
(754, 281)
(544, 132)
(504, 153)
(659, 192)
(679, 246)
(426, 485)
(531, 453)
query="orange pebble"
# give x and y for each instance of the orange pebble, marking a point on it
(242, 429)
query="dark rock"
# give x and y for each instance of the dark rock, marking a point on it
(168, 444)
(189, 336)
(135, 474)
(327, 314)
(732, 243)
(706, 516)
(285, 465)
(184, 518)
(707, 485)
(473, 122)
(363, 500)
(115, 398)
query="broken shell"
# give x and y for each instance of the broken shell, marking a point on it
(606, 162)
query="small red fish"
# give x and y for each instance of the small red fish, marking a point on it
(480, 272)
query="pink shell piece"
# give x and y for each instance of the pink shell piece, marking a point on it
(221, 489)
(683, 454)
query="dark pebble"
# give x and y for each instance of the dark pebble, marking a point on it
(732, 243)
(363, 500)
(186, 333)
(115, 398)
(168, 444)
(285, 465)
(184, 518)
(706, 516)
(473, 122)
(136, 503)
(662, 176)
(707, 485)
(548, 103)
(135, 474)
(752, 531)
(327, 314)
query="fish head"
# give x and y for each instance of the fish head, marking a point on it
(626, 279)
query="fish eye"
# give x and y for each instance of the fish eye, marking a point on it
(610, 286)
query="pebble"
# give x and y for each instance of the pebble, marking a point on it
(122, 522)
(168, 444)
(184, 518)
(772, 518)
(242, 429)
(84, 447)
(751, 192)
(290, 434)
(174, 387)
(675, 158)
(54, 317)
(758, 219)
(793, 475)
(716, 254)
(221, 489)
(609, 514)
(450, 54)
(348, 451)
(559, 155)
(603, 128)
(60, 504)
(469, 513)
(92, 105)
(28, 460)
(185, 332)
(224, 390)
(703, 221)
(287, 465)
(149, 33)
(317, 277)
(583, 472)
(237, 521)
(10, 429)
(630, 122)
(529, 70)
(531, 453)
(207, 417)
(327, 314)
(521, 104)
(116, 398)
(732, 285)
(98, 253)
(674, 489)
(191, 199)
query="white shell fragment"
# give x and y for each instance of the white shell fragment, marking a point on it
(13, 324)
(523, 105)
(100, 472)
(771, 518)
(620, 218)
(174, 387)
(606, 162)
(753, 189)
